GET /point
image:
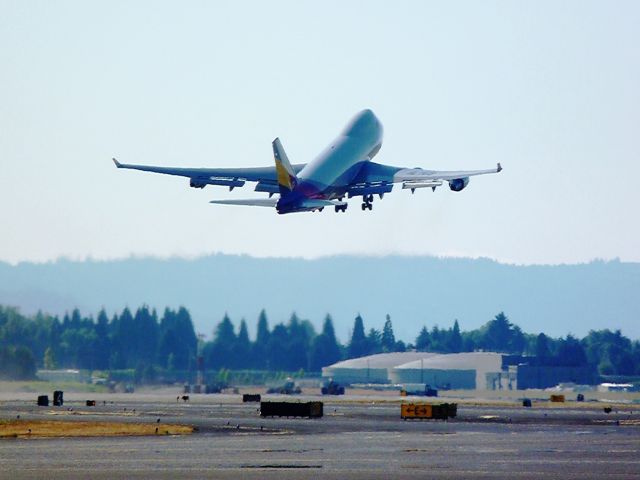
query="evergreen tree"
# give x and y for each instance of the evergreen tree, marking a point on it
(571, 353)
(17, 363)
(144, 344)
(325, 349)
(242, 350)
(122, 340)
(455, 339)
(400, 346)
(177, 337)
(259, 349)
(374, 342)
(437, 340)
(103, 343)
(542, 353)
(277, 353)
(300, 335)
(423, 340)
(388, 339)
(358, 345)
(221, 352)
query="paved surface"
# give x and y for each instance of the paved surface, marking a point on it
(355, 439)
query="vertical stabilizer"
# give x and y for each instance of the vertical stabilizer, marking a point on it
(286, 176)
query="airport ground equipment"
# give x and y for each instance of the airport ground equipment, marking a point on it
(251, 397)
(526, 402)
(43, 400)
(418, 390)
(332, 388)
(287, 388)
(580, 397)
(292, 409)
(91, 403)
(58, 399)
(440, 411)
(557, 398)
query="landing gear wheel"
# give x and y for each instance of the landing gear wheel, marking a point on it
(364, 206)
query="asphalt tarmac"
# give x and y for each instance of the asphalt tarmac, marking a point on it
(359, 437)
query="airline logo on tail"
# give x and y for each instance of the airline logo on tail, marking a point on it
(287, 179)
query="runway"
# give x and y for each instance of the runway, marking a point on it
(357, 438)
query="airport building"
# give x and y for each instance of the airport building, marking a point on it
(450, 371)
(467, 370)
(470, 370)
(372, 368)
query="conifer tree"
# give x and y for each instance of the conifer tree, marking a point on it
(388, 339)
(358, 344)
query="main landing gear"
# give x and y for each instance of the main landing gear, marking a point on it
(341, 208)
(367, 202)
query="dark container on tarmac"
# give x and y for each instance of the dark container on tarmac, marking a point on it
(43, 400)
(291, 409)
(91, 403)
(444, 410)
(580, 398)
(526, 402)
(58, 398)
(251, 397)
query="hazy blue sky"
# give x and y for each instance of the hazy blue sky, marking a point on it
(550, 89)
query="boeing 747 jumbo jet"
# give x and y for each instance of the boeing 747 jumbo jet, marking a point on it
(342, 170)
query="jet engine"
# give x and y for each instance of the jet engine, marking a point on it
(197, 183)
(201, 182)
(458, 184)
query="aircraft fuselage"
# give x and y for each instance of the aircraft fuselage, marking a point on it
(329, 174)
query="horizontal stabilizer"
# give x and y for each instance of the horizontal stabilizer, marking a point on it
(251, 202)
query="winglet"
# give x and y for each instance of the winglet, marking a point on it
(498, 169)
(118, 164)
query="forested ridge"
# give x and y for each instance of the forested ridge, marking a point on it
(148, 341)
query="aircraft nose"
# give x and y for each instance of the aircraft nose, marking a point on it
(365, 122)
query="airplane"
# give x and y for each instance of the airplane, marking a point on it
(344, 169)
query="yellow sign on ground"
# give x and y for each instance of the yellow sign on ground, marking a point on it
(416, 410)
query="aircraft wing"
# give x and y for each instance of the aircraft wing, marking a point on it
(376, 178)
(410, 174)
(265, 177)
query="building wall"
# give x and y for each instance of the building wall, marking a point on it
(347, 376)
(437, 378)
(530, 376)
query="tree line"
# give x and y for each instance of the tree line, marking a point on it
(144, 340)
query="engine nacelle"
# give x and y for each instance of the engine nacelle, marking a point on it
(458, 184)
(201, 182)
(197, 183)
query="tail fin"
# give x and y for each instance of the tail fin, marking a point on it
(286, 176)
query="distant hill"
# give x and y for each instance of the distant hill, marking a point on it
(414, 290)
